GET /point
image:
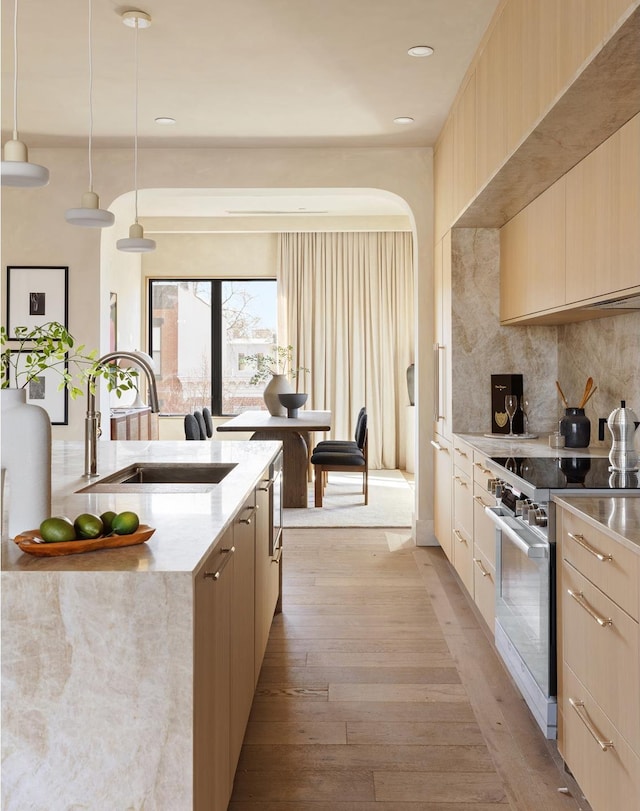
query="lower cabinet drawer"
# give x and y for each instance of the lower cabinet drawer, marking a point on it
(484, 582)
(463, 555)
(484, 530)
(600, 644)
(609, 778)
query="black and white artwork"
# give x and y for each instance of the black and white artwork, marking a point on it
(36, 296)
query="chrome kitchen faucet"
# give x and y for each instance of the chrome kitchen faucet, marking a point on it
(92, 428)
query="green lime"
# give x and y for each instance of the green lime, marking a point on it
(125, 523)
(88, 526)
(58, 528)
(107, 520)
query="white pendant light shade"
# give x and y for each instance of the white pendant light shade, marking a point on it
(136, 241)
(89, 215)
(16, 169)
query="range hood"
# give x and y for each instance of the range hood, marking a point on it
(632, 302)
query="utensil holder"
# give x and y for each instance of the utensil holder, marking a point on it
(575, 427)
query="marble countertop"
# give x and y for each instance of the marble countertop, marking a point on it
(187, 522)
(492, 446)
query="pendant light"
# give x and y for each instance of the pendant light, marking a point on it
(136, 242)
(90, 215)
(16, 169)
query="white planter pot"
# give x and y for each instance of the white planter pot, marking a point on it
(279, 384)
(26, 462)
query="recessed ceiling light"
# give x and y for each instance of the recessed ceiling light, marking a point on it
(165, 119)
(420, 50)
(403, 119)
(135, 18)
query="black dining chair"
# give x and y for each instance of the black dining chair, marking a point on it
(349, 458)
(208, 422)
(191, 427)
(347, 444)
(201, 424)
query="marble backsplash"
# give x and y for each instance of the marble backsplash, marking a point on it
(607, 349)
(481, 347)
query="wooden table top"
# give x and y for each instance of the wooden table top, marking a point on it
(263, 421)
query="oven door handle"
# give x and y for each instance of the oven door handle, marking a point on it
(531, 550)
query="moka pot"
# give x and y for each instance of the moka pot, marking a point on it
(622, 423)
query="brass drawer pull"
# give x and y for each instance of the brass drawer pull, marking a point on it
(216, 575)
(479, 500)
(579, 707)
(248, 519)
(438, 446)
(484, 469)
(460, 481)
(578, 596)
(579, 539)
(459, 536)
(268, 485)
(480, 565)
(462, 453)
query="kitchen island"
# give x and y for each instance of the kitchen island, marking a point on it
(120, 668)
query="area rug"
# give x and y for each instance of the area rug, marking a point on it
(391, 502)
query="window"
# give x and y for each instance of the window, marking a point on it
(200, 333)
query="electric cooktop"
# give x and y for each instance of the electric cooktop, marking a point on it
(568, 473)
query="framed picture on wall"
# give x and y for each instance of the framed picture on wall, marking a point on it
(43, 390)
(35, 296)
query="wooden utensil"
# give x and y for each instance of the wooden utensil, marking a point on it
(564, 399)
(591, 393)
(587, 392)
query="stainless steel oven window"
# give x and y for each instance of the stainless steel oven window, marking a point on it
(525, 608)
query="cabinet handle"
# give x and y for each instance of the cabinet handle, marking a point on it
(479, 500)
(484, 469)
(247, 520)
(437, 348)
(578, 596)
(268, 485)
(579, 539)
(581, 710)
(438, 446)
(480, 565)
(462, 453)
(216, 575)
(460, 481)
(459, 536)
(276, 560)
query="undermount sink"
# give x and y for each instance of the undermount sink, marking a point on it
(142, 474)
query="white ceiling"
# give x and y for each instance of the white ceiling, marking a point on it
(240, 72)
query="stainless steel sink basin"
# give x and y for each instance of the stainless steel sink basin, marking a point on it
(145, 476)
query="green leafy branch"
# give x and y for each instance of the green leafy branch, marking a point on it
(279, 362)
(51, 346)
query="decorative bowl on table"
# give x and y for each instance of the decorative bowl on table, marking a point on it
(293, 401)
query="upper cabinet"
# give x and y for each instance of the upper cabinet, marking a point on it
(464, 147)
(603, 216)
(579, 242)
(443, 181)
(491, 104)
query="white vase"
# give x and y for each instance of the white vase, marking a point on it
(26, 462)
(279, 384)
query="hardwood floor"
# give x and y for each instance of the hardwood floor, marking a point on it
(380, 692)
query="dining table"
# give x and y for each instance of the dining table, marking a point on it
(295, 435)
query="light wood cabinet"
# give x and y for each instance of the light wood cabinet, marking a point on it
(484, 543)
(602, 212)
(532, 257)
(599, 662)
(442, 497)
(443, 379)
(267, 577)
(443, 181)
(491, 104)
(464, 147)
(136, 423)
(463, 513)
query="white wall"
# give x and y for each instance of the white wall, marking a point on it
(34, 232)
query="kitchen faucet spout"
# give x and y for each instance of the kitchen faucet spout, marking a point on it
(92, 427)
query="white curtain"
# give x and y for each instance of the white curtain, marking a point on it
(346, 307)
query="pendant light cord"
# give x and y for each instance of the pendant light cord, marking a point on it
(90, 94)
(15, 71)
(135, 131)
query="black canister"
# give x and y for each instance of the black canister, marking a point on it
(575, 427)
